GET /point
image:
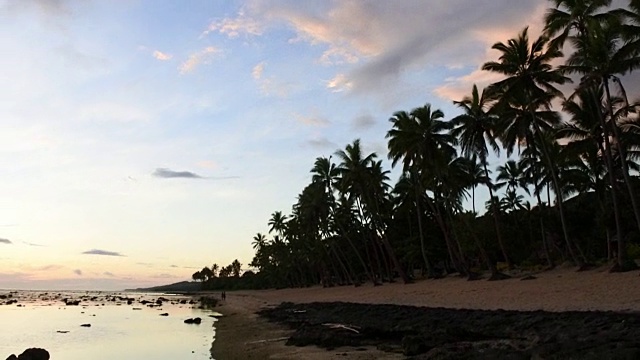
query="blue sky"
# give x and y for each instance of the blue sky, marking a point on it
(164, 133)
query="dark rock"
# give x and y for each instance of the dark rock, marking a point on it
(431, 333)
(86, 325)
(12, 357)
(414, 345)
(32, 354)
(193, 321)
(164, 314)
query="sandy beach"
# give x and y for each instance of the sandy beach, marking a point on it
(241, 334)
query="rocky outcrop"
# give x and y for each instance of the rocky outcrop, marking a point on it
(31, 354)
(438, 333)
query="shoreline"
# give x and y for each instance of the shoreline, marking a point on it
(241, 334)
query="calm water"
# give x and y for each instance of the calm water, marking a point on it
(116, 332)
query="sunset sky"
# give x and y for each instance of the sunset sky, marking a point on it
(142, 140)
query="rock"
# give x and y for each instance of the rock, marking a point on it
(31, 354)
(164, 314)
(413, 345)
(86, 325)
(193, 321)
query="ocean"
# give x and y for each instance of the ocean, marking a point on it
(117, 331)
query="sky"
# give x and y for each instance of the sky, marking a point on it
(144, 139)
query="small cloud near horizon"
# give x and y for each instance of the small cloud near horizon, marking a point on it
(101, 252)
(108, 273)
(5, 241)
(165, 173)
(31, 244)
(77, 272)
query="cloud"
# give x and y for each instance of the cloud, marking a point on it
(376, 43)
(314, 120)
(162, 56)
(204, 56)
(271, 85)
(5, 241)
(102, 252)
(258, 70)
(49, 267)
(52, 8)
(109, 274)
(165, 173)
(77, 272)
(456, 88)
(173, 266)
(363, 122)
(31, 244)
(234, 27)
(322, 143)
(339, 83)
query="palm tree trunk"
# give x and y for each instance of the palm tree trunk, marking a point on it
(388, 247)
(423, 247)
(496, 223)
(445, 233)
(612, 177)
(542, 232)
(490, 264)
(558, 190)
(355, 249)
(473, 198)
(622, 251)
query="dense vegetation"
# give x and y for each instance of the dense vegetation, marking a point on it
(560, 113)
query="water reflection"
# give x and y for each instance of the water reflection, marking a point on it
(116, 332)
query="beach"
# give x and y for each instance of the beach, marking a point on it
(242, 334)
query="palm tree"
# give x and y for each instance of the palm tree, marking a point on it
(601, 57)
(525, 97)
(573, 16)
(278, 223)
(475, 128)
(236, 268)
(214, 269)
(512, 176)
(259, 241)
(587, 137)
(415, 138)
(355, 182)
(326, 173)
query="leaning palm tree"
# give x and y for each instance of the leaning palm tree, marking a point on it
(326, 173)
(415, 138)
(355, 178)
(474, 129)
(525, 97)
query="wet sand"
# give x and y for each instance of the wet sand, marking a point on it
(559, 290)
